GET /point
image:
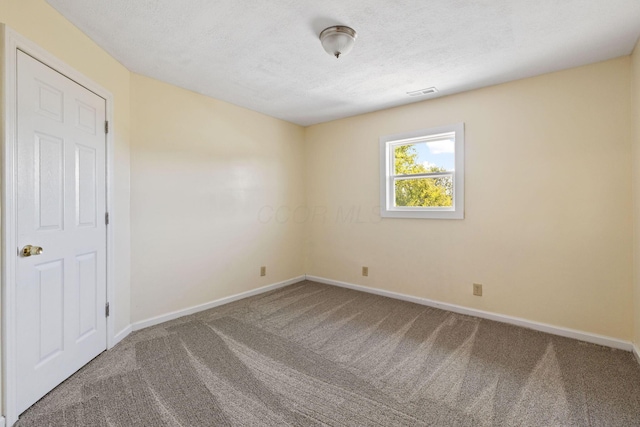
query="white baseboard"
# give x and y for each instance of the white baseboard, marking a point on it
(636, 353)
(542, 327)
(121, 335)
(2, 421)
(226, 300)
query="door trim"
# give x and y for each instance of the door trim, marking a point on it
(11, 43)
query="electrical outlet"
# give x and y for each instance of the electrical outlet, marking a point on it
(477, 289)
(263, 271)
(365, 271)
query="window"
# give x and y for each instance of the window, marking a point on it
(422, 174)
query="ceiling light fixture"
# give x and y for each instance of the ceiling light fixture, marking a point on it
(338, 40)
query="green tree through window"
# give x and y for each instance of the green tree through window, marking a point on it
(422, 191)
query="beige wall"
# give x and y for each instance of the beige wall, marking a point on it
(204, 176)
(548, 218)
(37, 21)
(635, 69)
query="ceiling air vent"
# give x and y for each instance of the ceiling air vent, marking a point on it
(421, 92)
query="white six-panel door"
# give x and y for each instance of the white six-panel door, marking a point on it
(61, 293)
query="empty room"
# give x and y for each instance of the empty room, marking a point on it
(336, 213)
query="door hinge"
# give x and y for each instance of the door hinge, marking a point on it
(106, 218)
(106, 127)
(106, 310)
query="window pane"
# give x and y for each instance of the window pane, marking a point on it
(429, 192)
(424, 157)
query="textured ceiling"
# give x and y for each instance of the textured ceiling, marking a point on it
(266, 56)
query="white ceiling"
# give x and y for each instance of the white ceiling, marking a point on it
(266, 56)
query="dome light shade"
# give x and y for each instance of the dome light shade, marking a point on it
(338, 40)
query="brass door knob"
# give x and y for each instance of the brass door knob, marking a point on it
(31, 250)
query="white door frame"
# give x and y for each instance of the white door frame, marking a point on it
(11, 43)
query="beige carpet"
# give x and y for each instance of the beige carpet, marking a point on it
(311, 354)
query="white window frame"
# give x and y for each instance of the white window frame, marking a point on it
(388, 179)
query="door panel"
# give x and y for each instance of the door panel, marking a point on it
(86, 115)
(86, 186)
(86, 269)
(50, 285)
(49, 197)
(61, 293)
(50, 101)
